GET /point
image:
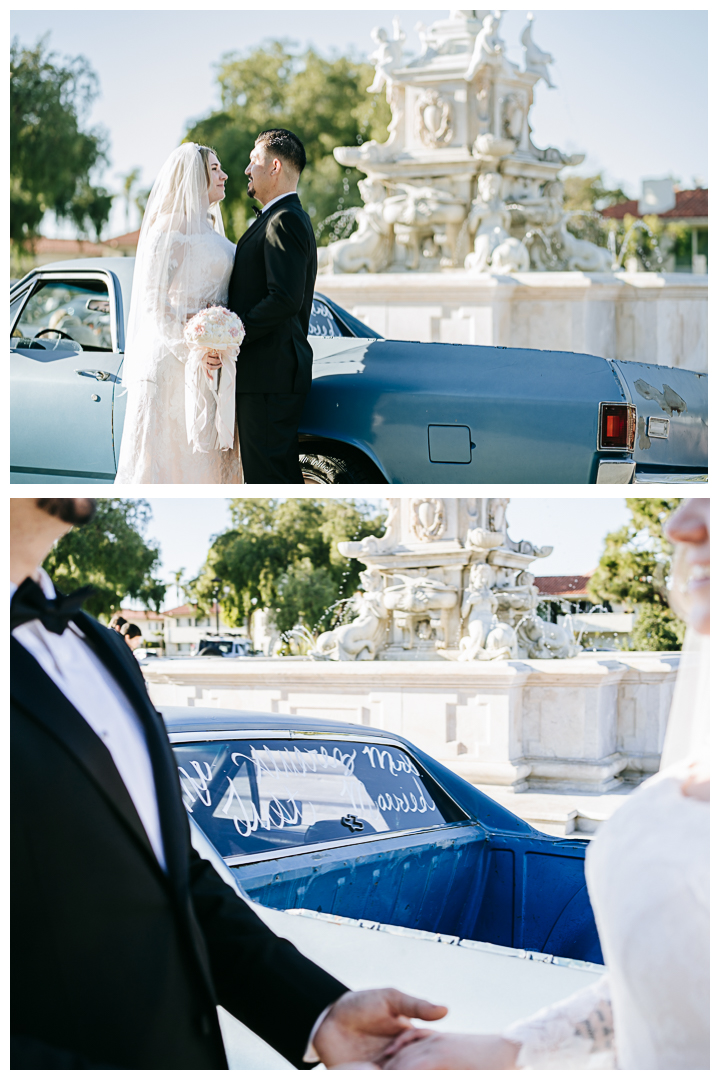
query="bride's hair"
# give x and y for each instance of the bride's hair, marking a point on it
(205, 152)
(176, 180)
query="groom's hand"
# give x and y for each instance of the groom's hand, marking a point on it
(360, 1026)
(211, 362)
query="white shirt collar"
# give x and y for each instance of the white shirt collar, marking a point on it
(44, 582)
(277, 199)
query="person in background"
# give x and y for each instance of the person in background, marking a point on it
(117, 623)
(133, 636)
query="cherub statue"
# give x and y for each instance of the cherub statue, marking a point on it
(494, 250)
(489, 49)
(486, 639)
(478, 608)
(536, 60)
(387, 55)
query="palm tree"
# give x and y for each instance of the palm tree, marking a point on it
(180, 584)
(129, 181)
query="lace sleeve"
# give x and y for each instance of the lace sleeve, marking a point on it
(575, 1033)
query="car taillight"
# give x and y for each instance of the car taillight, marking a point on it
(617, 427)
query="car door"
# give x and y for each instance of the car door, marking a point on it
(65, 362)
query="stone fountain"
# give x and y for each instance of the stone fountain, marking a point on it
(492, 690)
(446, 582)
(462, 236)
(459, 181)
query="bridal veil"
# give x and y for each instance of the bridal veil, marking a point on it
(164, 291)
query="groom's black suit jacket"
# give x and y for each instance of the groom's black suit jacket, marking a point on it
(271, 289)
(115, 962)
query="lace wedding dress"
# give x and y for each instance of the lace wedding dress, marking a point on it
(183, 265)
(649, 882)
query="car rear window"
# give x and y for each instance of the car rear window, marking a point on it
(322, 321)
(256, 795)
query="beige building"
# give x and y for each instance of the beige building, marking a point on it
(185, 626)
(44, 250)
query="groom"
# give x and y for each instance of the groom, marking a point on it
(271, 289)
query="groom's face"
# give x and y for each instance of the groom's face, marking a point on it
(262, 172)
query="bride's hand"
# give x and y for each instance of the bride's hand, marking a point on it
(211, 362)
(437, 1050)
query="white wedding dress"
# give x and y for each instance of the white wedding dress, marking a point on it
(648, 875)
(183, 265)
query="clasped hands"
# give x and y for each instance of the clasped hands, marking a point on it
(372, 1029)
(211, 361)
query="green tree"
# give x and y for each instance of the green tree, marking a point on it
(589, 195)
(633, 571)
(51, 157)
(111, 554)
(324, 101)
(282, 555)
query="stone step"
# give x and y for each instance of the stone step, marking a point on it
(560, 814)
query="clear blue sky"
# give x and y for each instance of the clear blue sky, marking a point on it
(632, 85)
(183, 528)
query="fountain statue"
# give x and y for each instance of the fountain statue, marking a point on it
(445, 582)
(459, 181)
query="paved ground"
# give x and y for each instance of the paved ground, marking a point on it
(561, 815)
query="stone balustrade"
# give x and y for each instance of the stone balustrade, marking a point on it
(579, 725)
(648, 318)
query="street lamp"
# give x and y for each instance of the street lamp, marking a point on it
(217, 582)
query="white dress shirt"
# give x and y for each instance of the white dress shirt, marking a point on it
(277, 199)
(88, 685)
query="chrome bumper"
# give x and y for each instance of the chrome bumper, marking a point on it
(670, 478)
(615, 472)
(625, 472)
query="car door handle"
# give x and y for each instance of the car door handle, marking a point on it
(101, 376)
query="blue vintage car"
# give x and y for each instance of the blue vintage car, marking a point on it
(379, 411)
(348, 820)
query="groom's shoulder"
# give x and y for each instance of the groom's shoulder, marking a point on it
(291, 215)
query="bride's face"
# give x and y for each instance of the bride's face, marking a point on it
(216, 187)
(689, 530)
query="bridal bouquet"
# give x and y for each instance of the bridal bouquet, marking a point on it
(215, 329)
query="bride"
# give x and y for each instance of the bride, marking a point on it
(648, 878)
(183, 265)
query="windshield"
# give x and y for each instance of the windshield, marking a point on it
(259, 795)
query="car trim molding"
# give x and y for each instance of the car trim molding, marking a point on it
(350, 841)
(215, 735)
(62, 472)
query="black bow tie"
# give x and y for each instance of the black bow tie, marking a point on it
(30, 602)
(256, 211)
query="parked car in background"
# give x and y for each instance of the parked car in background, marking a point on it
(347, 820)
(378, 412)
(230, 648)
